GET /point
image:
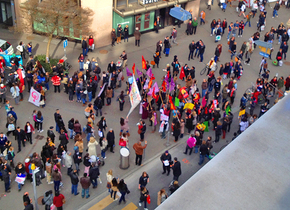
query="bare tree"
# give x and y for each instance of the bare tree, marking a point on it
(57, 18)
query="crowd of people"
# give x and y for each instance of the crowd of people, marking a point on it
(177, 107)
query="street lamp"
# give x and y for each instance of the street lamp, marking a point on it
(34, 171)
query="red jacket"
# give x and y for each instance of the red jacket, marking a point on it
(91, 42)
(31, 128)
(57, 200)
(55, 80)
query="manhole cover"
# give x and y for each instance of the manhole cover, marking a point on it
(39, 137)
(103, 51)
(30, 37)
(39, 200)
(287, 63)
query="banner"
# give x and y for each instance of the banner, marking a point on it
(164, 117)
(104, 85)
(134, 96)
(34, 97)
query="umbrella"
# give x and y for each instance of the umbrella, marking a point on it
(179, 13)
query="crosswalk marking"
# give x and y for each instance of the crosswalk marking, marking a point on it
(130, 206)
(103, 203)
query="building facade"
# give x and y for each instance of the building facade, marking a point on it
(107, 15)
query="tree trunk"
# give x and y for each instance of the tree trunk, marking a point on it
(47, 47)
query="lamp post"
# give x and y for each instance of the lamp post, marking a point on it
(34, 171)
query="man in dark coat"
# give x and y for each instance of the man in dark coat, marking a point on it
(21, 138)
(74, 181)
(176, 168)
(112, 67)
(51, 134)
(166, 159)
(111, 140)
(94, 174)
(137, 36)
(191, 47)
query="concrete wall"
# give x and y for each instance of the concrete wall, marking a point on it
(102, 20)
(23, 23)
(194, 6)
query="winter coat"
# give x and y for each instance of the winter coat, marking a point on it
(137, 35)
(85, 182)
(111, 138)
(94, 172)
(92, 150)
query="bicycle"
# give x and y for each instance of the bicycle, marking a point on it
(203, 70)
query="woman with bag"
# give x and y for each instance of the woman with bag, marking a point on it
(124, 126)
(161, 196)
(11, 123)
(113, 185)
(109, 176)
(122, 187)
(20, 174)
(48, 199)
(143, 197)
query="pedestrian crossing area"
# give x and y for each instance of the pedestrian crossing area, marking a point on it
(107, 201)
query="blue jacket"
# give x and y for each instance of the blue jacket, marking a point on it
(13, 114)
(3, 140)
(284, 48)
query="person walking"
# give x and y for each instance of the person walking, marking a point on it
(284, 47)
(143, 197)
(29, 129)
(139, 149)
(74, 181)
(174, 35)
(113, 36)
(15, 91)
(6, 177)
(143, 180)
(166, 159)
(20, 137)
(85, 46)
(103, 145)
(111, 140)
(85, 183)
(119, 33)
(123, 189)
(94, 173)
(176, 168)
(114, 188)
(190, 144)
(56, 82)
(39, 121)
(58, 200)
(121, 99)
(275, 9)
(56, 179)
(192, 48)
(203, 152)
(161, 196)
(137, 36)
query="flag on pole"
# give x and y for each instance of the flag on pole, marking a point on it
(156, 87)
(172, 85)
(139, 73)
(133, 68)
(34, 96)
(203, 102)
(143, 63)
(176, 102)
(188, 106)
(172, 107)
(156, 97)
(184, 92)
(182, 74)
(134, 96)
(228, 109)
(149, 72)
(129, 74)
(205, 123)
(164, 86)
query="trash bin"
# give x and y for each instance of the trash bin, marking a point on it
(124, 153)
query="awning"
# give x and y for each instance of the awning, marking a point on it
(179, 13)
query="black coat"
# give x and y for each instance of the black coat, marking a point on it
(176, 168)
(112, 68)
(111, 138)
(20, 135)
(203, 149)
(165, 157)
(51, 134)
(63, 139)
(94, 172)
(74, 178)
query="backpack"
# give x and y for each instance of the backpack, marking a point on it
(70, 125)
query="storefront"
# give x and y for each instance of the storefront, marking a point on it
(7, 12)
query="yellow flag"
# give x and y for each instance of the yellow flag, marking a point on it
(242, 112)
(188, 106)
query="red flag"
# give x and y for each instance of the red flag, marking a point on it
(150, 83)
(156, 97)
(197, 97)
(182, 74)
(184, 92)
(143, 63)
(172, 107)
(164, 86)
(133, 68)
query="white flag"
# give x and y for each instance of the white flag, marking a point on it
(34, 96)
(134, 96)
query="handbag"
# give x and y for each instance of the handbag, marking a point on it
(52, 207)
(109, 186)
(11, 127)
(148, 199)
(63, 201)
(139, 131)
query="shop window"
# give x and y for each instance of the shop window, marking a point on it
(147, 20)
(138, 21)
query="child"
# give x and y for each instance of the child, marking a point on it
(29, 48)
(10, 156)
(7, 106)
